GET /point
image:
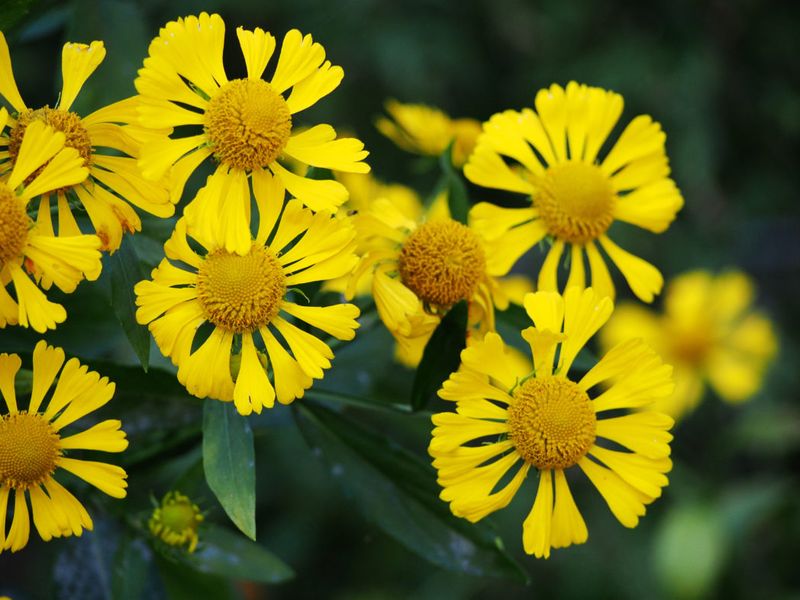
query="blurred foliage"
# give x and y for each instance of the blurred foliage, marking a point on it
(722, 78)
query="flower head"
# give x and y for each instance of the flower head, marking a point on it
(245, 124)
(43, 163)
(223, 282)
(108, 142)
(510, 423)
(709, 331)
(428, 131)
(176, 520)
(33, 446)
(421, 264)
(551, 156)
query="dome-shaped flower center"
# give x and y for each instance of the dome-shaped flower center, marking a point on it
(248, 124)
(14, 223)
(29, 449)
(442, 262)
(64, 121)
(176, 521)
(551, 422)
(241, 293)
(576, 201)
(180, 516)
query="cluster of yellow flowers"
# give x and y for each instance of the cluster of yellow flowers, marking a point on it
(224, 303)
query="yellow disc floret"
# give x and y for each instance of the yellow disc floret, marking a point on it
(29, 449)
(576, 201)
(176, 521)
(14, 224)
(64, 121)
(248, 124)
(442, 262)
(241, 293)
(551, 422)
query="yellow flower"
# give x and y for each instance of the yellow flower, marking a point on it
(422, 129)
(247, 124)
(421, 264)
(176, 521)
(106, 141)
(509, 421)
(42, 164)
(709, 331)
(32, 446)
(551, 155)
(242, 296)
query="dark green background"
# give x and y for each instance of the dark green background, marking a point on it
(722, 78)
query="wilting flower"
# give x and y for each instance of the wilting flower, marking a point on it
(510, 424)
(246, 124)
(551, 156)
(222, 281)
(709, 332)
(33, 446)
(426, 130)
(42, 164)
(107, 141)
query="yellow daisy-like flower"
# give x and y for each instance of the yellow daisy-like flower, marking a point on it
(246, 124)
(508, 422)
(709, 331)
(421, 265)
(426, 130)
(108, 142)
(242, 295)
(551, 155)
(32, 446)
(42, 164)
(176, 520)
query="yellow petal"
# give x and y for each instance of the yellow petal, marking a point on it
(568, 525)
(338, 320)
(206, 373)
(9, 365)
(318, 195)
(257, 48)
(35, 310)
(39, 144)
(486, 168)
(290, 379)
(643, 278)
(109, 479)
(551, 104)
(548, 275)
(584, 313)
(47, 362)
(106, 436)
(19, 533)
(314, 87)
(78, 62)
(652, 206)
(625, 502)
(252, 391)
(646, 433)
(64, 169)
(537, 527)
(8, 86)
(300, 57)
(319, 147)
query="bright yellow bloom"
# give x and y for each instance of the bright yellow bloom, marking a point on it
(239, 286)
(176, 520)
(32, 446)
(709, 331)
(426, 130)
(107, 143)
(551, 156)
(509, 421)
(246, 124)
(421, 264)
(42, 164)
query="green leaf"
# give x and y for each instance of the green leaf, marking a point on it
(222, 552)
(441, 356)
(184, 583)
(129, 578)
(126, 271)
(229, 463)
(397, 491)
(457, 197)
(13, 11)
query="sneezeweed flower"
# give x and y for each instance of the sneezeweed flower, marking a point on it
(421, 267)
(551, 156)
(240, 293)
(247, 124)
(709, 331)
(29, 249)
(176, 521)
(426, 130)
(108, 142)
(510, 424)
(33, 446)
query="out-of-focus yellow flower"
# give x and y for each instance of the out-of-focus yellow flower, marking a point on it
(512, 422)
(426, 130)
(551, 155)
(176, 520)
(709, 332)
